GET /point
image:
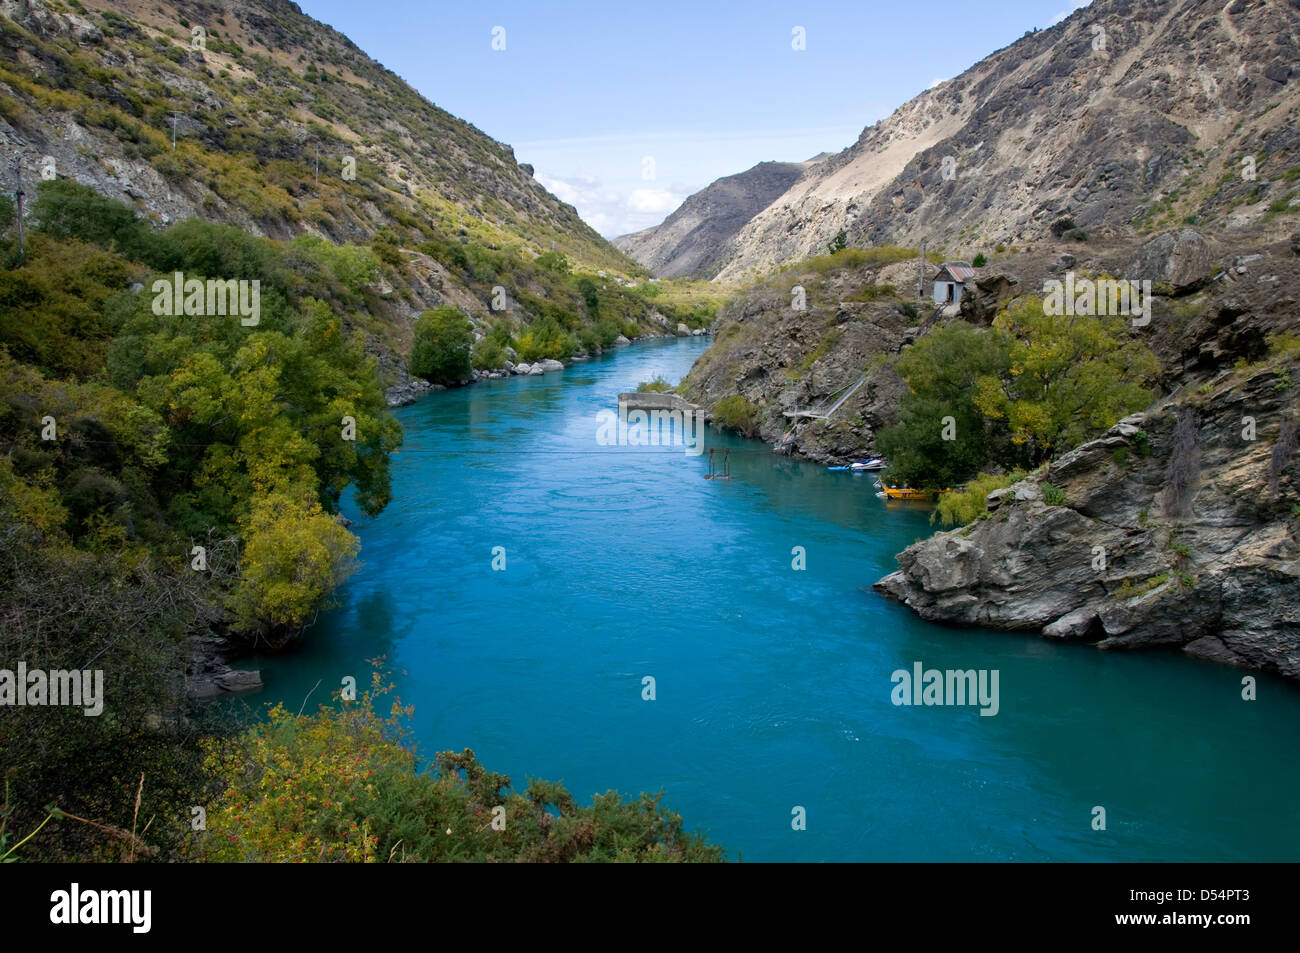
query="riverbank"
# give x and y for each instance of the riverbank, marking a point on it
(407, 392)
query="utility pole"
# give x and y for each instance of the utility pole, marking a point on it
(318, 167)
(18, 196)
(175, 119)
(920, 273)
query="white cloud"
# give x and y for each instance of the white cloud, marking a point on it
(652, 201)
(602, 175)
(614, 211)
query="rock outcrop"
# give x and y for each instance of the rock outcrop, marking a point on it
(1124, 561)
(779, 358)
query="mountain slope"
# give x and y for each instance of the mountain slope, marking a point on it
(94, 86)
(253, 114)
(693, 240)
(1125, 118)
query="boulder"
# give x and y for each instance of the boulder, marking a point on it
(985, 296)
(522, 369)
(621, 341)
(1181, 258)
(549, 364)
(82, 30)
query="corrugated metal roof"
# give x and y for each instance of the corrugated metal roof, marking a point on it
(955, 271)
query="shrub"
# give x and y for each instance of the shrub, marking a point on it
(545, 339)
(944, 370)
(387, 252)
(736, 412)
(443, 339)
(1053, 495)
(655, 386)
(854, 258)
(980, 260)
(488, 354)
(343, 785)
(1128, 590)
(960, 507)
(553, 261)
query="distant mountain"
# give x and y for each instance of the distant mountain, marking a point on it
(693, 241)
(1125, 118)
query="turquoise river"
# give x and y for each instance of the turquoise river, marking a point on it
(773, 685)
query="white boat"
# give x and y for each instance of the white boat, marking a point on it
(871, 463)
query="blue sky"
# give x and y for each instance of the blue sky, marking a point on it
(587, 91)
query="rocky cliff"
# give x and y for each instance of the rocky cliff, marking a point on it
(775, 354)
(1121, 562)
(1093, 547)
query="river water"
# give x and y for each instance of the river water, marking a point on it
(772, 685)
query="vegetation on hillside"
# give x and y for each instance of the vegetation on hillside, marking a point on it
(344, 785)
(443, 339)
(165, 474)
(285, 126)
(268, 74)
(1012, 395)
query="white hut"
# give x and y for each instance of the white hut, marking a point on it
(950, 281)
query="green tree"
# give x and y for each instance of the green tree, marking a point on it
(295, 555)
(443, 340)
(488, 354)
(1070, 377)
(590, 296)
(66, 209)
(943, 436)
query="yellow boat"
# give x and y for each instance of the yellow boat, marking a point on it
(904, 492)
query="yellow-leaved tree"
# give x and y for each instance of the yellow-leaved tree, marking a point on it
(295, 555)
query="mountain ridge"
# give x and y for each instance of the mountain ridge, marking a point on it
(692, 241)
(1124, 119)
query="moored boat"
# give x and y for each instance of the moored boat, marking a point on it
(862, 466)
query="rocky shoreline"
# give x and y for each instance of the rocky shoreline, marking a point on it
(1118, 562)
